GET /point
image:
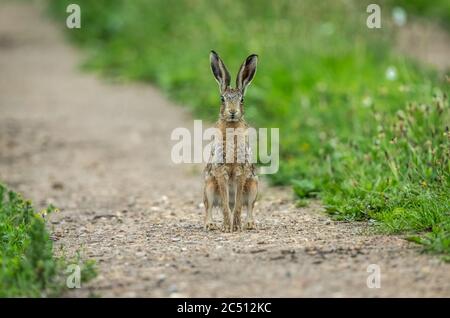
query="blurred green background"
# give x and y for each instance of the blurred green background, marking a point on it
(361, 127)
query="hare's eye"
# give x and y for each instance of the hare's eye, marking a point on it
(222, 99)
(242, 99)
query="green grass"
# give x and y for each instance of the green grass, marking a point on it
(336, 89)
(27, 265)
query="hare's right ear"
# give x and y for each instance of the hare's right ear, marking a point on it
(220, 71)
(246, 72)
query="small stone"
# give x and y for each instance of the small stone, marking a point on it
(160, 279)
(260, 250)
(131, 201)
(172, 289)
(57, 185)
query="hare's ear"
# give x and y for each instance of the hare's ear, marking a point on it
(220, 71)
(246, 72)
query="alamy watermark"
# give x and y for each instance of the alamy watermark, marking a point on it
(374, 279)
(73, 20)
(374, 18)
(242, 145)
(74, 276)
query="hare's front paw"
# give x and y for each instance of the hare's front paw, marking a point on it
(250, 225)
(226, 227)
(210, 226)
(237, 224)
(226, 224)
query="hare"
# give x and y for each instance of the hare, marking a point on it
(231, 185)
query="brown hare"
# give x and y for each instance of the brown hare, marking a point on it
(231, 184)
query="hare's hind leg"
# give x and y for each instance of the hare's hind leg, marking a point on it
(210, 198)
(250, 194)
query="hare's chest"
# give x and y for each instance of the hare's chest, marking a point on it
(231, 150)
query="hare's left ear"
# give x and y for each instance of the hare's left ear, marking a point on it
(246, 72)
(220, 71)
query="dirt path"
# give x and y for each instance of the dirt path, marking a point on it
(426, 42)
(101, 153)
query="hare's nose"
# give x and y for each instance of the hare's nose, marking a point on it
(233, 111)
